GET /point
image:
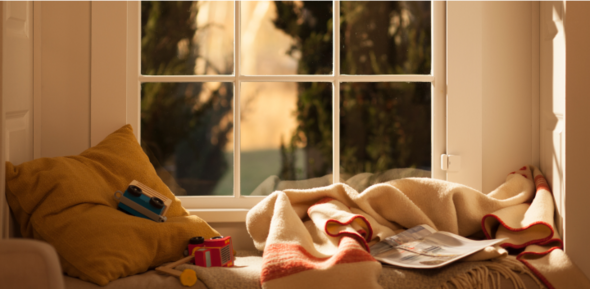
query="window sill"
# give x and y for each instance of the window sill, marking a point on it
(220, 215)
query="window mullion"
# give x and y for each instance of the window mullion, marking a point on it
(439, 83)
(336, 93)
(237, 92)
(288, 78)
(386, 78)
(186, 78)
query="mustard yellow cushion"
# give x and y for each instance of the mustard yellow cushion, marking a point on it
(68, 202)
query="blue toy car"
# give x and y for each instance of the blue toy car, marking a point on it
(135, 202)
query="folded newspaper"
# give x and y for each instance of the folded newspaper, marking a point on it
(422, 247)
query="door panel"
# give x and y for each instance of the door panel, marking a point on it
(17, 93)
(18, 81)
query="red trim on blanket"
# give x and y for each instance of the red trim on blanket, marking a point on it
(530, 266)
(355, 236)
(282, 260)
(538, 274)
(517, 246)
(364, 239)
(553, 240)
(541, 184)
(537, 253)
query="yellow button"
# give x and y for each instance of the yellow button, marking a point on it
(188, 277)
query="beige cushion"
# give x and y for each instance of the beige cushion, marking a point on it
(147, 280)
(29, 264)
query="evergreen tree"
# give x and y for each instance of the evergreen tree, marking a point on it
(175, 124)
(383, 125)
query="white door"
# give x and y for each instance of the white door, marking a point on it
(17, 88)
(17, 72)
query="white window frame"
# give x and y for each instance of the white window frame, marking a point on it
(234, 208)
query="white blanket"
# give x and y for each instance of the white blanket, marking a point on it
(320, 238)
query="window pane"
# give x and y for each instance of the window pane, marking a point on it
(385, 37)
(286, 136)
(384, 131)
(187, 38)
(284, 37)
(186, 131)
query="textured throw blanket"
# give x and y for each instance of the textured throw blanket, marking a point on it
(320, 238)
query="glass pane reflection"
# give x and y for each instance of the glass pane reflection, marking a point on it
(187, 38)
(286, 136)
(385, 37)
(186, 131)
(286, 37)
(384, 132)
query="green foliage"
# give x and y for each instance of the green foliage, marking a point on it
(314, 132)
(310, 26)
(178, 128)
(383, 125)
(385, 37)
(159, 53)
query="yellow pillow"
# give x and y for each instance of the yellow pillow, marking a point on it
(68, 202)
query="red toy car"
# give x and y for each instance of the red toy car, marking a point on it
(215, 252)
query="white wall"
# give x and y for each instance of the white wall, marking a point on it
(108, 107)
(577, 133)
(62, 82)
(552, 102)
(464, 93)
(78, 101)
(565, 135)
(510, 59)
(492, 89)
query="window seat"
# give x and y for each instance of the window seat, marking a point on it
(21, 259)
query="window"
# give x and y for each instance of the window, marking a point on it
(303, 94)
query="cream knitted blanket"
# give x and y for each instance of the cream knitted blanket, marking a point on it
(319, 238)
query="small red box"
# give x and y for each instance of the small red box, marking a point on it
(215, 252)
